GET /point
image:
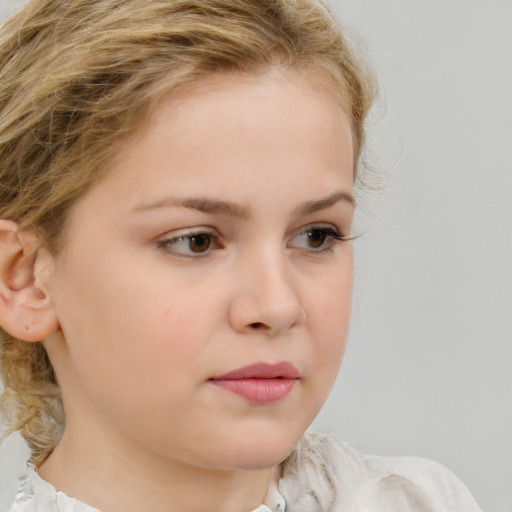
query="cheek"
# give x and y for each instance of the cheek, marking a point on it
(120, 330)
(153, 328)
(329, 311)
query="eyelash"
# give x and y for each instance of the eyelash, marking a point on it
(330, 233)
(168, 244)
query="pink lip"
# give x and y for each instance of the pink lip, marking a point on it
(260, 383)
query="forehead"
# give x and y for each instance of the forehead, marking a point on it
(221, 107)
(231, 133)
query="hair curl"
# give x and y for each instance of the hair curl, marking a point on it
(77, 76)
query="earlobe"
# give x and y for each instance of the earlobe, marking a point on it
(26, 308)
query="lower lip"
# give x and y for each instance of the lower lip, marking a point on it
(258, 391)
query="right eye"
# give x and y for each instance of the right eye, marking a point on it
(197, 243)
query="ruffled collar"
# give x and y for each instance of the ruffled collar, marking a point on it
(34, 493)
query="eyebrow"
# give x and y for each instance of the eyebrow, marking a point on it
(322, 204)
(214, 206)
(202, 204)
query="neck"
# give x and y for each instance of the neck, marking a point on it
(136, 482)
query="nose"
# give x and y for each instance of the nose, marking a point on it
(266, 300)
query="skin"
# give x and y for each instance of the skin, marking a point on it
(144, 322)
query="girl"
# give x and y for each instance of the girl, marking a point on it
(175, 262)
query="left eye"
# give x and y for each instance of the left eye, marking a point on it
(317, 238)
(189, 244)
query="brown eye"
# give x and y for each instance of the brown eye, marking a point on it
(200, 243)
(316, 238)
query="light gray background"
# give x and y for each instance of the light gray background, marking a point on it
(428, 368)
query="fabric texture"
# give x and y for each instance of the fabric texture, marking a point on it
(321, 475)
(324, 475)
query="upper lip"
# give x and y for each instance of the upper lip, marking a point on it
(283, 370)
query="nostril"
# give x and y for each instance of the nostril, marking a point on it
(265, 327)
(258, 325)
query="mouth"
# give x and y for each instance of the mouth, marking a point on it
(260, 383)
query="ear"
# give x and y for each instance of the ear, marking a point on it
(26, 309)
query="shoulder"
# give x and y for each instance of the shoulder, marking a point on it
(323, 474)
(24, 500)
(414, 484)
(36, 495)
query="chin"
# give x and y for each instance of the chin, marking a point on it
(259, 450)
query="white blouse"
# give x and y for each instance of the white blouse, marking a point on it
(36, 495)
(321, 475)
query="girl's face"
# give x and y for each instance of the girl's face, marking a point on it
(215, 243)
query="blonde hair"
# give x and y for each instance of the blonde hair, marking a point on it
(76, 76)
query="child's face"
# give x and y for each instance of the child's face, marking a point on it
(193, 259)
